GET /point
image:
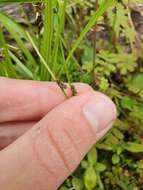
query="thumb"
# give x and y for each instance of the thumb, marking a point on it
(47, 154)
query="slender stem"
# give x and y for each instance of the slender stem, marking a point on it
(41, 57)
(94, 41)
(60, 84)
(132, 26)
(94, 46)
(64, 67)
(63, 57)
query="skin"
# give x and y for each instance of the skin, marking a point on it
(43, 136)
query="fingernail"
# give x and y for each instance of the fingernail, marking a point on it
(103, 132)
(100, 112)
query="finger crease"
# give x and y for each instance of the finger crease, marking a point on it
(59, 151)
(72, 141)
(38, 157)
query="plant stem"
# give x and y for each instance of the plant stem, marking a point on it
(94, 41)
(41, 57)
(45, 64)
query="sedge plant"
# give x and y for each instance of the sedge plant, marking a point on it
(48, 45)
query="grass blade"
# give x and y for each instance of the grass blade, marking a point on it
(21, 67)
(7, 63)
(18, 34)
(46, 42)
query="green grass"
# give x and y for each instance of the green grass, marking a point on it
(48, 52)
(64, 49)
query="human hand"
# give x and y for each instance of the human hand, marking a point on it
(54, 133)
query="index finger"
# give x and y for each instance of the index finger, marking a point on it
(30, 100)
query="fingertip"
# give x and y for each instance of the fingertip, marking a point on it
(82, 87)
